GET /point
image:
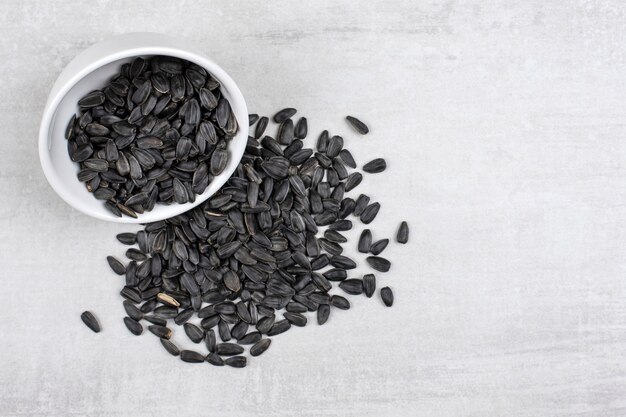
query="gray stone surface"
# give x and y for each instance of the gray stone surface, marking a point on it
(504, 129)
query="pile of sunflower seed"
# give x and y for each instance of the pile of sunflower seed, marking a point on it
(157, 133)
(249, 263)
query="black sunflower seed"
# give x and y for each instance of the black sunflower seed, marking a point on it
(127, 238)
(284, 114)
(378, 263)
(352, 286)
(379, 246)
(90, 321)
(347, 158)
(375, 166)
(237, 361)
(215, 359)
(160, 331)
(301, 128)
(260, 347)
(194, 333)
(133, 326)
(322, 313)
(250, 338)
(369, 284)
(334, 146)
(191, 356)
(93, 99)
(279, 327)
(387, 296)
(403, 233)
(229, 349)
(353, 181)
(297, 319)
(339, 302)
(132, 310)
(116, 265)
(365, 241)
(170, 347)
(370, 212)
(358, 125)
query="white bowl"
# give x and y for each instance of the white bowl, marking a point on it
(91, 70)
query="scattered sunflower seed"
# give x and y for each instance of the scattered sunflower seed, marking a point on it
(191, 356)
(387, 296)
(369, 285)
(284, 114)
(250, 262)
(378, 263)
(375, 166)
(365, 241)
(259, 347)
(170, 347)
(133, 326)
(379, 246)
(90, 321)
(403, 233)
(358, 125)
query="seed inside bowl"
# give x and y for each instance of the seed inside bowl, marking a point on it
(157, 133)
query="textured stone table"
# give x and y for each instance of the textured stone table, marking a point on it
(504, 128)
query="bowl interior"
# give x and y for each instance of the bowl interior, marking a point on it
(62, 172)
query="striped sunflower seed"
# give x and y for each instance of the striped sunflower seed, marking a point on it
(358, 125)
(387, 296)
(90, 321)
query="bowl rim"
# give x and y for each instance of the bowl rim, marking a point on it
(238, 105)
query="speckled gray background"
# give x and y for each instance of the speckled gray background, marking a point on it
(505, 131)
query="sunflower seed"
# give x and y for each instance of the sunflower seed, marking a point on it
(341, 225)
(236, 361)
(403, 233)
(379, 246)
(353, 181)
(358, 125)
(334, 146)
(361, 203)
(194, 333)
(301, 128)
(250, 338)
(342, 262)
(127, 238)
(365, 241)
(340, 302)
(378, 263)
(369, 284)
(191, 356)
(170, 347)
(296, 319)
(116, 265)
(260, 347)
(260, 127)
(160, 331)
(352, 286)
(215, 359)
(284, 114)
(375, 166)
(132, 310)
(279, 327)
(322, 313)
(370, 212)
(133, 326)
(90, 321)
(93, 99)
(387, 296)
(347, 158)
(229, 349)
